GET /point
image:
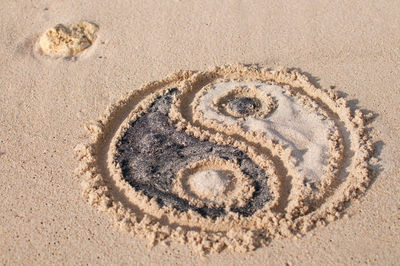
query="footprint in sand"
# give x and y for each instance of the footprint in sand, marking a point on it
(68, 40)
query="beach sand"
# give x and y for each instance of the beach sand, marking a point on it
(46, 101)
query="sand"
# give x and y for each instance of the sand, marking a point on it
(67, 41)
(46, 102)
(290, 124)
(139, 150)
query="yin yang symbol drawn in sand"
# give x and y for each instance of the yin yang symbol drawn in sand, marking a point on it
(228, 158)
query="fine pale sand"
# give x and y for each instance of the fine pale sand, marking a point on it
(46, 101)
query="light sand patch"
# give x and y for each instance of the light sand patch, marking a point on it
(304, 132)
(209, 183)
(68, 40)
(289, 135)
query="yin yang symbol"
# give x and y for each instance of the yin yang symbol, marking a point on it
(228, 158)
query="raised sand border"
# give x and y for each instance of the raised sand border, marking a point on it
(104, 186)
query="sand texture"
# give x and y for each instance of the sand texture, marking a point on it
(199, 132)
(68, 40)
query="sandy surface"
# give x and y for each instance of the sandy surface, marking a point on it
(45, 103)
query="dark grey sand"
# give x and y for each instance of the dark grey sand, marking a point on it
(244, 105)
(151, 152)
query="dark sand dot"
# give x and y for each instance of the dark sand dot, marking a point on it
(244, 105)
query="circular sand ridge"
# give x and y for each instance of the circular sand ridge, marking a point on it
(311, 200)
(214, 182)
(241, 102)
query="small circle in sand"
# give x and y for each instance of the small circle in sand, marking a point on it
(68, 40)
(209, 183)
(243, 105)
(229, 158)
(243, 101)
(216, 183)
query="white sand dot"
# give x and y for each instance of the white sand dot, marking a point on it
(209, 183)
